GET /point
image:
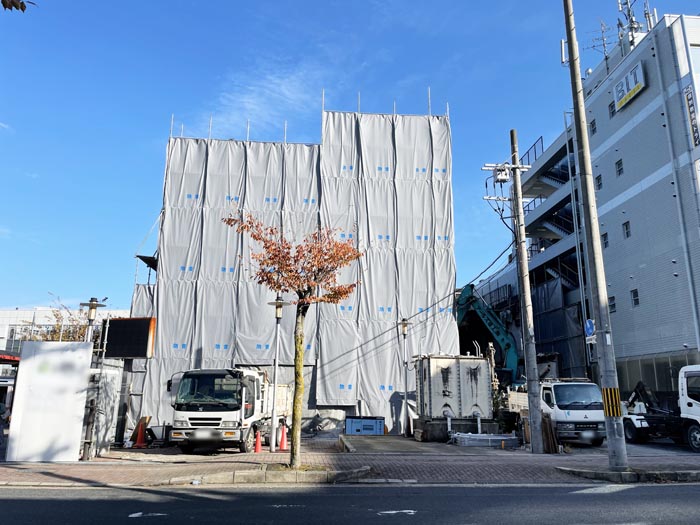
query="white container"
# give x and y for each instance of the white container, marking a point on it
(456, 386)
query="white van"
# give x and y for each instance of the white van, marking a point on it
(576, 409)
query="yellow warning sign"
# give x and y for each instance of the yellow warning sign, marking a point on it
(611, 402)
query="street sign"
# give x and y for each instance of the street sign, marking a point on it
(589, 327)
(590, 340)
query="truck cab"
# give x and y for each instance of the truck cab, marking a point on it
(575, 408)
(217, 408)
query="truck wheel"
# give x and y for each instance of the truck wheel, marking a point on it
(248, 444)
(186, 449)
(693, 435)
(597, 442)
(632, 433)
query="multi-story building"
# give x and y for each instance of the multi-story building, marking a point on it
(641, 109)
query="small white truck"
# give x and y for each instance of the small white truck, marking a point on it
(223, 408)
(645, 417)
(576, 409)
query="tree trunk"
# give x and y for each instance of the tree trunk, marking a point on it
(298, 385)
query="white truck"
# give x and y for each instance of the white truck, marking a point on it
(576, 409)
(222, 408)
(646, 417)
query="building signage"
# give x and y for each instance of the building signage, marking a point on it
(629, 86)
(692, 114)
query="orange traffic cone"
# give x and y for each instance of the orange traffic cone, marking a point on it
(140, 436)
(283, 439)
(258, 443)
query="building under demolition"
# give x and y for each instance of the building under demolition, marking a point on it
(382, 182)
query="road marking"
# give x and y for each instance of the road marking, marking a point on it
(607, 489)
(146, 515)
(409, 512)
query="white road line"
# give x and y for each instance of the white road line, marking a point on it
(606, 489)
(146, 515)
(408, 512)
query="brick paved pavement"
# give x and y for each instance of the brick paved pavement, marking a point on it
(433, 463)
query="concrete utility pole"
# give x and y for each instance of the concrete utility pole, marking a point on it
(530, 352)
(617, 453)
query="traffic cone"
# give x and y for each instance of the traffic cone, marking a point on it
(283, 439)
(140, 436)
(258, 443)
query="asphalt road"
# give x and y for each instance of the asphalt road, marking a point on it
(357, 504)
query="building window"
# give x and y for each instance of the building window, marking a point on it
(598, 182)
(611, 304)
(594, 128)
(626, 230)
(611, 109)
(604, 240)
(634, 294)
(619, 168)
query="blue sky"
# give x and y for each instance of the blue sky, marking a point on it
(88, 90)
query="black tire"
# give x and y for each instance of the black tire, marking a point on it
(248, 443)
(692, 435)
(633, 434)
(186, 449)
(597, 442)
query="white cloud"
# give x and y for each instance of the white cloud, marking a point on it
(5, 232)
(33, 176)
(268, 94)
(5, 126)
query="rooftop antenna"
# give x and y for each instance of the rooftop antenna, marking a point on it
(603, 39)
(447, 109)
(182, 130)
(632, 27)
(430, 111)
(247, 130)
(285, 131)
(172, 123)
(394, 107)
(210, 120)
(648, 16)
(358, 102)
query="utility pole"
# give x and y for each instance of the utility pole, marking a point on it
(617, 453)
(501, 174)
(530, 352)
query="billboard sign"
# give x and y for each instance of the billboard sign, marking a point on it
(629, 86)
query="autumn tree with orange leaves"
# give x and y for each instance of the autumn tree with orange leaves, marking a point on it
(310, 270)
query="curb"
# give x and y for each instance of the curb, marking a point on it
(345, 445)
(636, 475)
(262, 476)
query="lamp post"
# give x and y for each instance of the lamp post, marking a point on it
(92, 306)
(404, 332)
(278, 303)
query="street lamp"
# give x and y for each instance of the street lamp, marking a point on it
(93, 305)
(278, 303)
(404, 332)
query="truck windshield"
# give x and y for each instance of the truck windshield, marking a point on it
(578, 397)
(218, 391)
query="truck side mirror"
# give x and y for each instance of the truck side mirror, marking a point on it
(169, 385)
(547, 396)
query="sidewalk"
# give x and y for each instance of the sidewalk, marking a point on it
(324, 462)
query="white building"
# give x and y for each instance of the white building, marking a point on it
(641, 107)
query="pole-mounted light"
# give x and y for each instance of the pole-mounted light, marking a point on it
(278, 303)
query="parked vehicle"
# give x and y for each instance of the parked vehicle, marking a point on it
(646, 417)
(576, 409)
(222, 408)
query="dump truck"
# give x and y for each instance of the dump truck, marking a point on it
(645, 417)
(224, 408)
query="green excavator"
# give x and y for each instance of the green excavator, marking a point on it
(477, 320)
